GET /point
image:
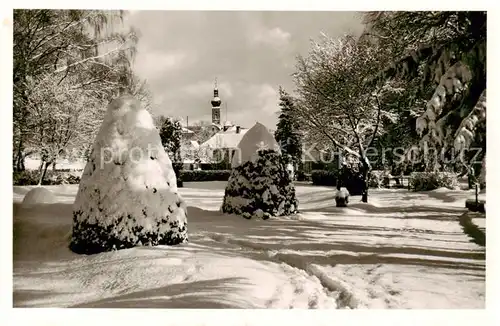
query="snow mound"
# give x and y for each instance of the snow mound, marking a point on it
(38, 195)
(128, 195)
(255, 139)
(260, 188)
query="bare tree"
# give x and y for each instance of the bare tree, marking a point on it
(74, 51)
(334, 102)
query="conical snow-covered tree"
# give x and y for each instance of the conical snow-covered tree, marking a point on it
(127, 195)
(259, 185)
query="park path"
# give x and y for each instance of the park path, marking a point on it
(402, 249)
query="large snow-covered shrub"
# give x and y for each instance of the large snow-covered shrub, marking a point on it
(260, 184)
(37, 196)
(127, 195)
(260, 187)
(425, 181)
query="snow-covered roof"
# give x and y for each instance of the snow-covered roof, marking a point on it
(194, 144)
(224, 140)
(187, 131)
(257, 138)
(233, 129)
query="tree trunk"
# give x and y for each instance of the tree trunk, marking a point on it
(364, 195)
(366, 174)
(43, 172)
(19, 159)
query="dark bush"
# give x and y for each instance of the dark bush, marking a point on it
(302, 176)
(205, 175)
(472, 206)
(25, 178)
(348, 179)
(352, 180)
(324, 178)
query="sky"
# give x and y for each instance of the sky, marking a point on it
(251, 53)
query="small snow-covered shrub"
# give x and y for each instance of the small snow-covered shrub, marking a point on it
(342, 197)
(324, 178)
(205, 175)
(260, 188)
(379, 179)
(425, 181)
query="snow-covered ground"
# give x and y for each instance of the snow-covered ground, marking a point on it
(402, 250)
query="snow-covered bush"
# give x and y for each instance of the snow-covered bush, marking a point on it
(379, 179)
(342, 197)
(260, 187)
(424, 181)
(128, 194)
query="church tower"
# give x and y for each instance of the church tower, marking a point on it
(216, 103)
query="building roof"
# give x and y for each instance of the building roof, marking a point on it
(225, 139)
(233, 130)
(187, 131)
(194, 143)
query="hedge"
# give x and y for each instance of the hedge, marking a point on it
(425, 181)
(350, 180)
(205, 175)
(31, 178)
(324, 178)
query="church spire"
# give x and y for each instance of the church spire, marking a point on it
(216, 103)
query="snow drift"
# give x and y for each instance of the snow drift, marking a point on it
(38, 195)
(128, 194)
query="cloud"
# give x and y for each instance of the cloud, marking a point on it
(275, 37)
(206, 87)
(155, 64)
(251, 53)
(262, 106)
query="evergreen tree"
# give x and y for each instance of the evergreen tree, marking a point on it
(444, 51)
(287, 133)
(170, 135)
